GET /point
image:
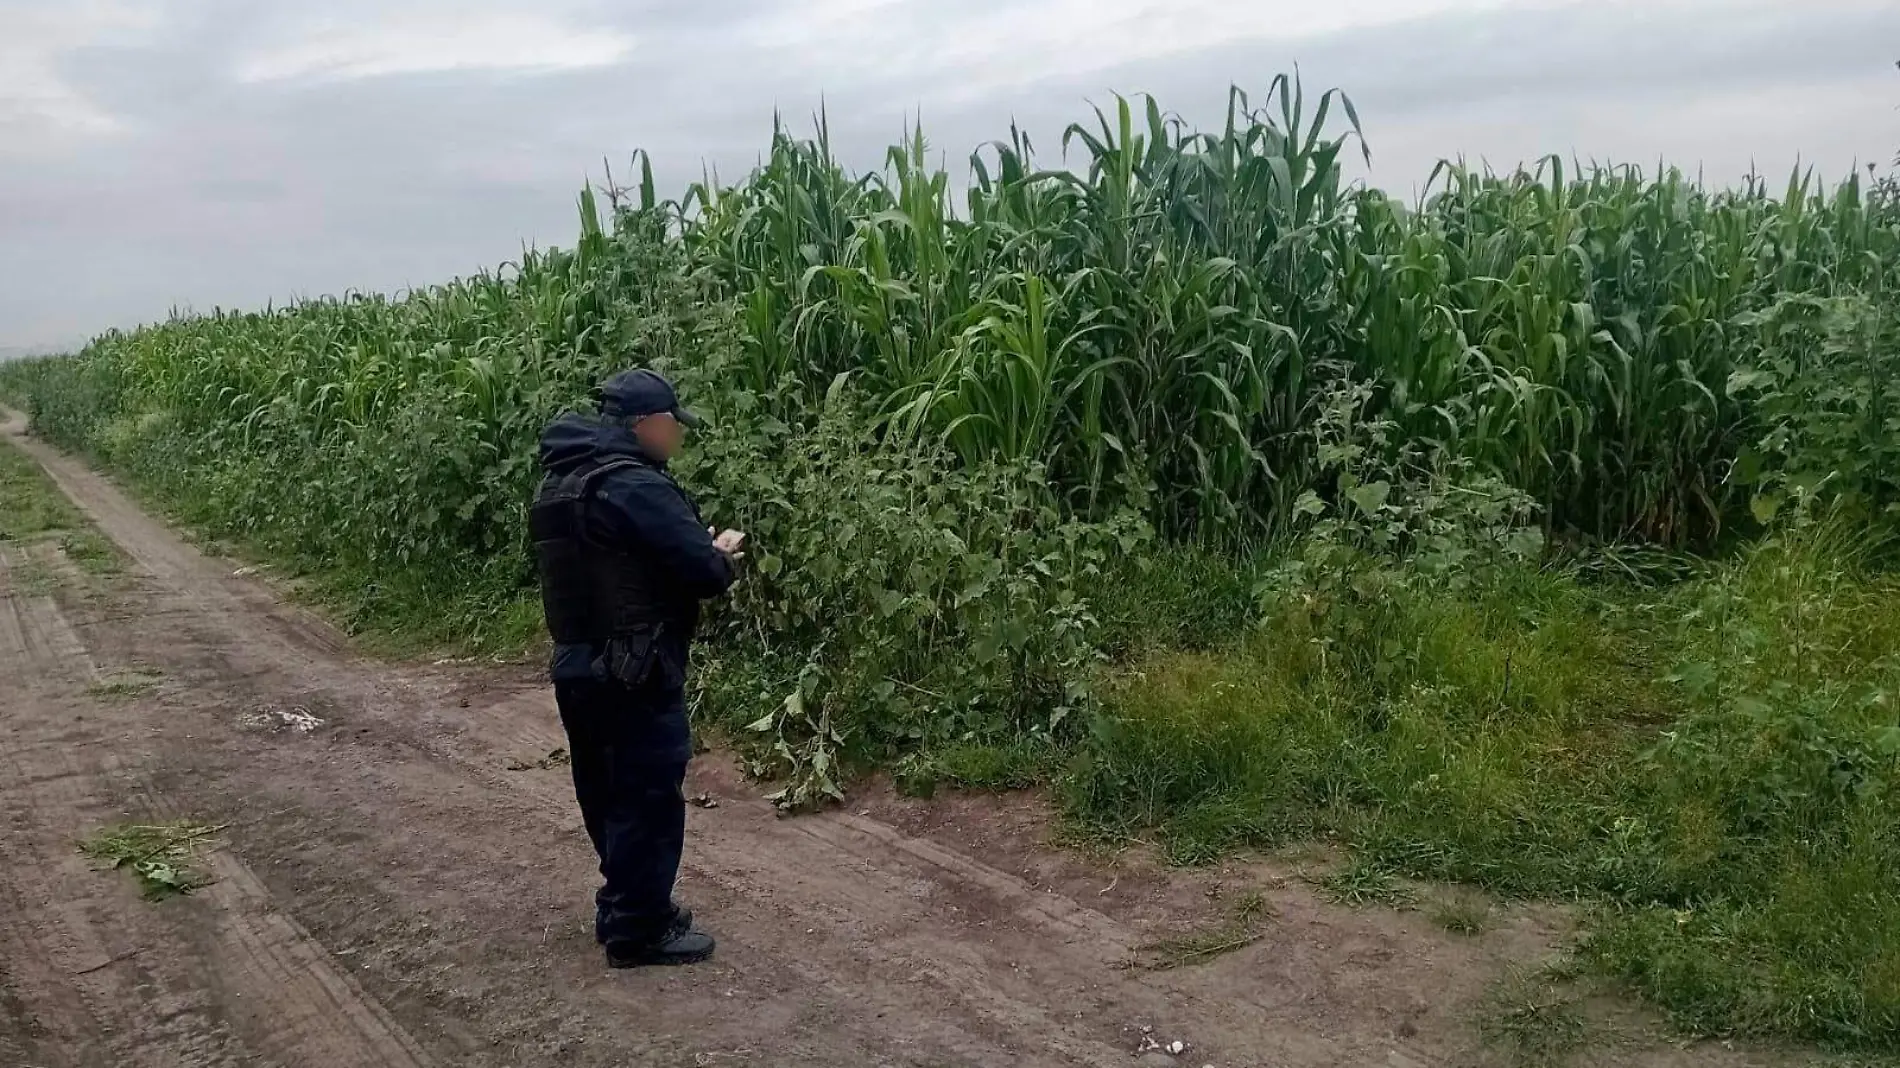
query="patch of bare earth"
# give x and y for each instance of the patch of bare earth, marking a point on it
(400, 878)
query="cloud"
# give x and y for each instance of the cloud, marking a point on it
(1055, 37)
(399, 44)
(257, 151)
(1763, 85)
(972, 49)
(37, 101)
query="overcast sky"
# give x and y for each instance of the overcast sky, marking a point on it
(216, 152)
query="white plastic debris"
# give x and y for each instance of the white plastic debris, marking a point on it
(275, 718)
(1176, 1048)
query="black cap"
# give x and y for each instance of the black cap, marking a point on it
(632, 394)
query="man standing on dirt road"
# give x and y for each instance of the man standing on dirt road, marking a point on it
(624, 563)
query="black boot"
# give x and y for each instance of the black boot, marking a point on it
(680, 945)
(682, 921)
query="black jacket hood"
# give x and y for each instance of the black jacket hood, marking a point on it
(575, 440)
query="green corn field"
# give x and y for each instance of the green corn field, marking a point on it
(1156, 305)
(1533, 533)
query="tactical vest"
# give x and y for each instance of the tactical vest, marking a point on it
(591, 591)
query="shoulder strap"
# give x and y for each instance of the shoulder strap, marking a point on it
(591, 478)
(580, 488)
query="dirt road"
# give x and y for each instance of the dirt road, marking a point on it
(399, 885)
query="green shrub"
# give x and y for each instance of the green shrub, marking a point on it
(893, 599)
(1826, 394)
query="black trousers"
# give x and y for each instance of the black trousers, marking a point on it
(631, 793)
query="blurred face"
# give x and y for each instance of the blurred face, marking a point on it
(659, 434)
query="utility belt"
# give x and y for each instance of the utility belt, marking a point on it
(638, 659)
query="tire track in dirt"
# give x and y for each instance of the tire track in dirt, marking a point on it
(57, 1024)
(96, 975)
(81, 974)
(311, 1012)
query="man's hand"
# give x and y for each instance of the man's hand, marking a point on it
(730, 542)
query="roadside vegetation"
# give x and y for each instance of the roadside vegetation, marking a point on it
(34, 507)
(1535, 535)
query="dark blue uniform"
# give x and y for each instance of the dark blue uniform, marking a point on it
(630, 743)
